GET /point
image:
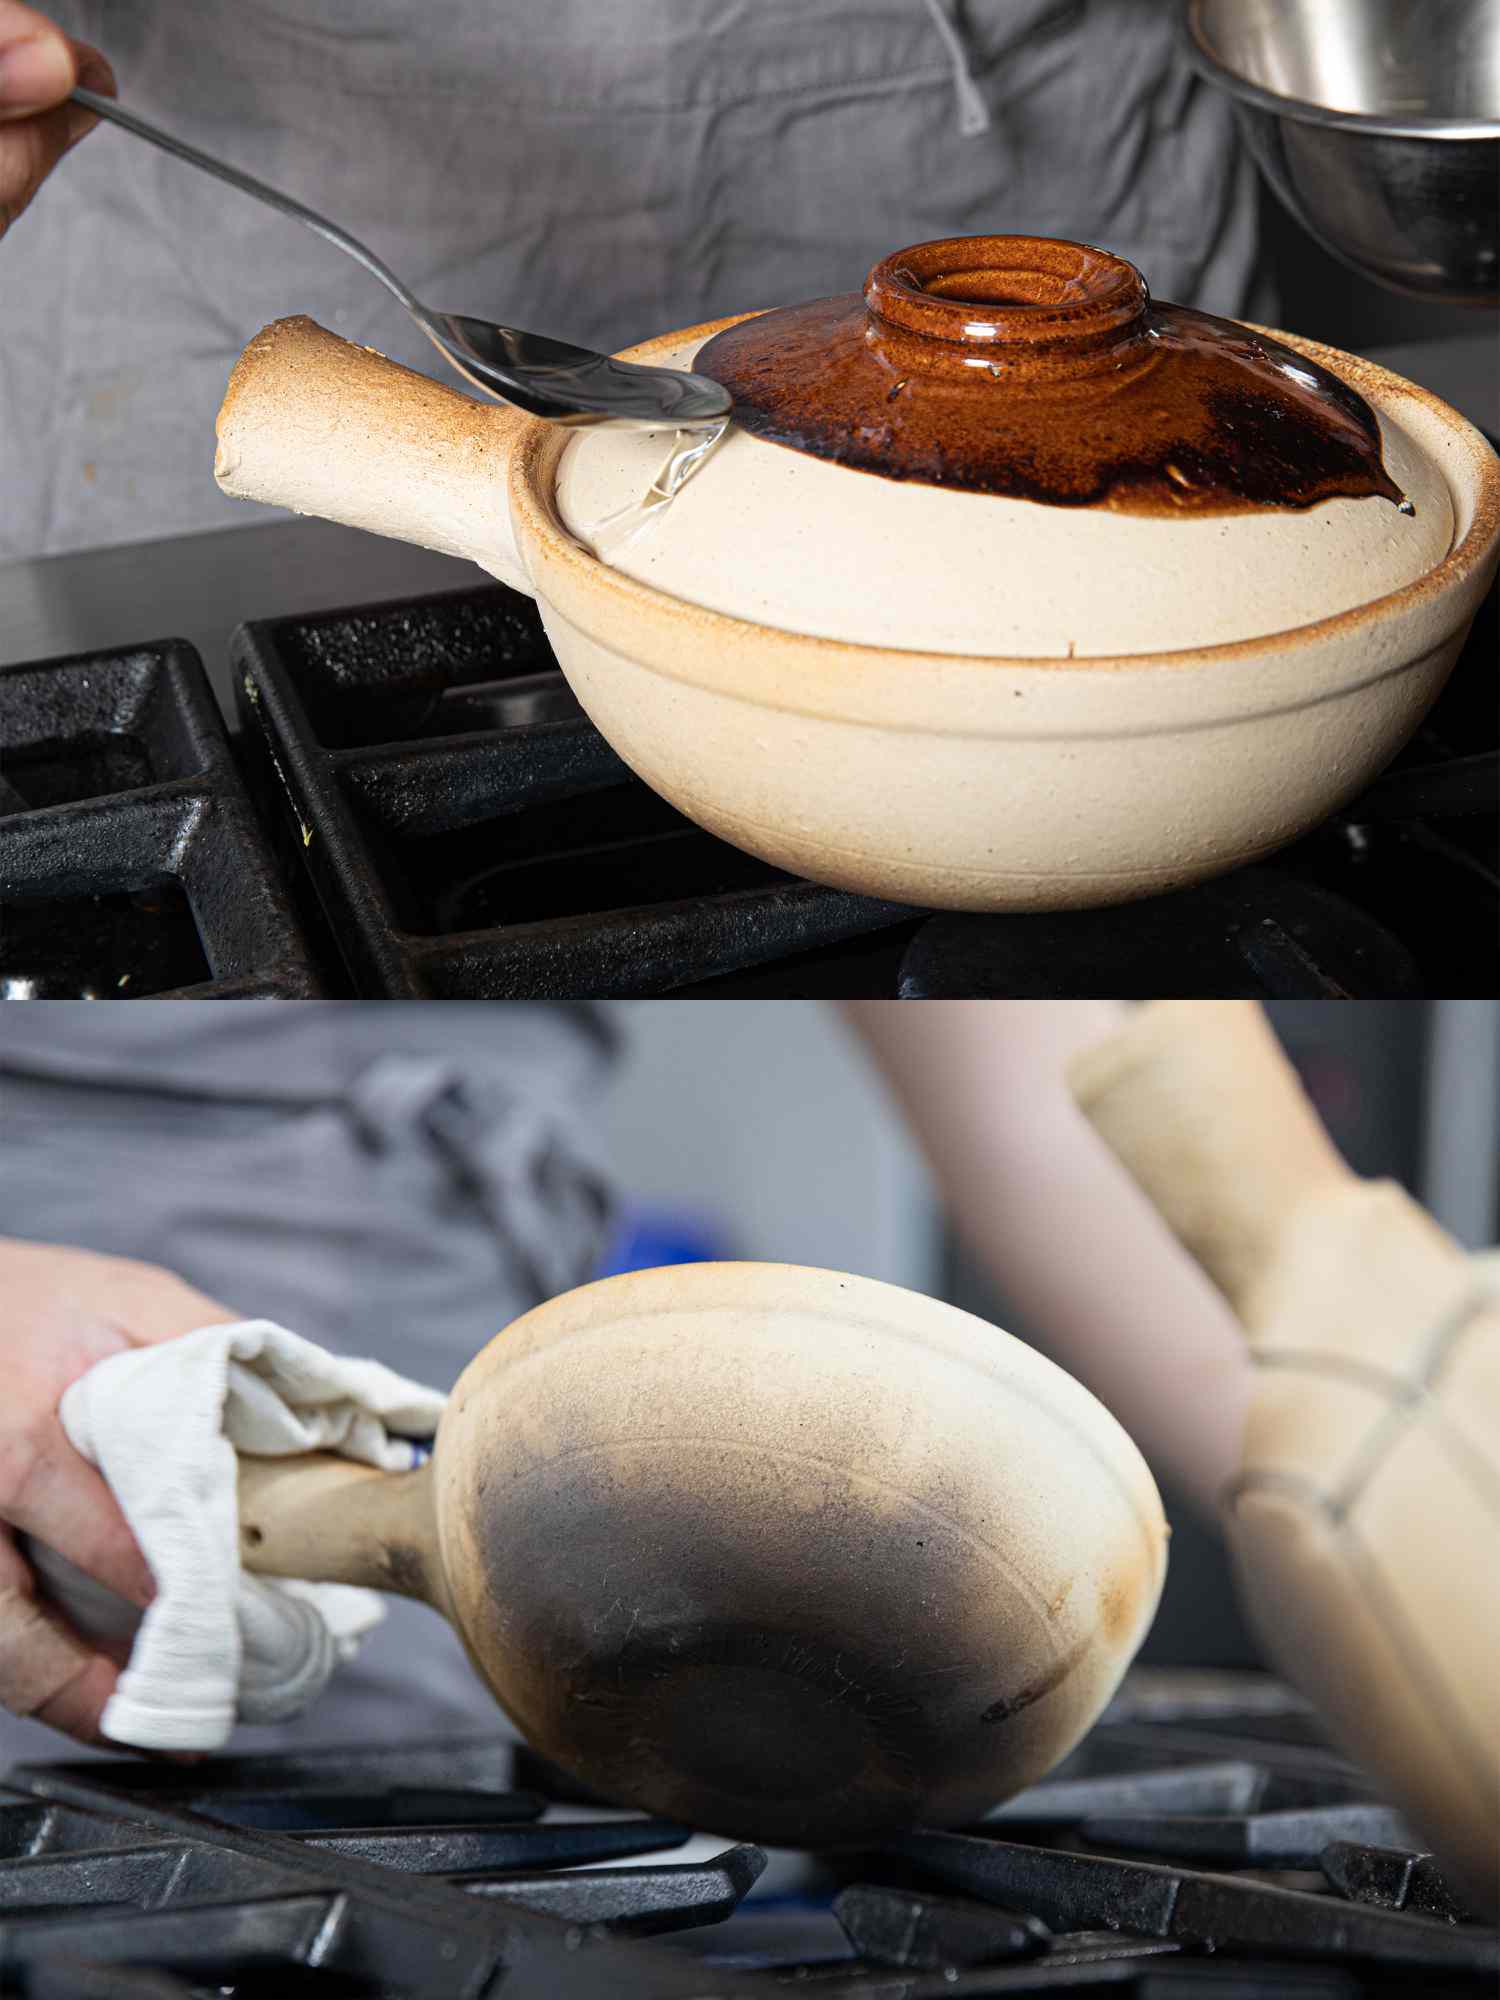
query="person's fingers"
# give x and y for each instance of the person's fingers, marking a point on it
(94, 73)
(37, 64)
(47, 1671)
(38, 67)
(28, 153)
(48, 1490)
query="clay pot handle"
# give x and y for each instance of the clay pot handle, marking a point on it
(328, 1520)
(1198, 1101)
(312, 422)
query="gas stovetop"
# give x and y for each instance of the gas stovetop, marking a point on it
(437, 818)
(1202, 1844)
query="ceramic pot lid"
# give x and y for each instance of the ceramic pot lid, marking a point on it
(1005, 448)
(1045, 371)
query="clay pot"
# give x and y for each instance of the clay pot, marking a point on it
(787, 1554)
(1362, 1516)
(1007, 587)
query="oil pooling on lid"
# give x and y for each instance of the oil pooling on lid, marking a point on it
(690, 451)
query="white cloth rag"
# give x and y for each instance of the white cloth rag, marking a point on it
(163, 1424)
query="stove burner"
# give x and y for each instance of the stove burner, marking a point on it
(1256, 934)
(130, 862)
(422, 1872)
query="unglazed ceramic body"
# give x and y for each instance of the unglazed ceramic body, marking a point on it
(954, 699)
(784, 1553)
(791, 1554)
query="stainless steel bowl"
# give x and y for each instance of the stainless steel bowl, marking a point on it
(1378, 124)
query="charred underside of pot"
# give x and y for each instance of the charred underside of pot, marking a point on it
(1043, 370)
(791, 1555)
(810, 1674)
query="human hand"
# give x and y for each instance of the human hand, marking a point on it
(39, 65)
(62, 1311)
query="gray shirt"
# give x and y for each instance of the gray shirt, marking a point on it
(597, 172)
(318, 1048)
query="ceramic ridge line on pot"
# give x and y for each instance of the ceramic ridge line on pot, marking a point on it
(785, 1553)
(952, 699)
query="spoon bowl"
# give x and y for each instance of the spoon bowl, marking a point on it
(573, 385)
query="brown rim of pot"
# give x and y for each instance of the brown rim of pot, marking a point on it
(534, 468)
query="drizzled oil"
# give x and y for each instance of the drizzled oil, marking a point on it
(609, 536)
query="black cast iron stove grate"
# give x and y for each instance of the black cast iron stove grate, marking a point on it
(469, 834)
(130, 860)
(1201, 1845)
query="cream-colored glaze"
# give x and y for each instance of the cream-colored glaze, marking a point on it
(760, 1446)
(981, 781)
(1362, 1516)
(782, 538)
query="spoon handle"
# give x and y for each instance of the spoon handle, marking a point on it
(326, 1519)
(106, 107)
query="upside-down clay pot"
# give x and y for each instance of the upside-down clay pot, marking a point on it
(787, 1554)
(1007, 587)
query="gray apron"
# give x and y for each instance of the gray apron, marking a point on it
(597, 172)
(404, 1204)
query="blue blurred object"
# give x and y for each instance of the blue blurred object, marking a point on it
(647, 1238)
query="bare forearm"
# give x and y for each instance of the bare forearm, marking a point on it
(1066, 1233)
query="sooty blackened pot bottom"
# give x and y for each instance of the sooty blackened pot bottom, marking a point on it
(909, 1559)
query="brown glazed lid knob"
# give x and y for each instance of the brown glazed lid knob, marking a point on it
(1017, 305)
(1043, 370)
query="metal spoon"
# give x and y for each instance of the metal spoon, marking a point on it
(549, 378)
